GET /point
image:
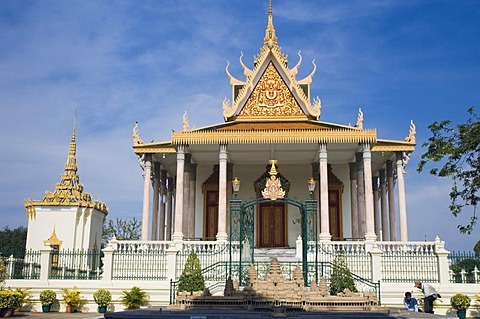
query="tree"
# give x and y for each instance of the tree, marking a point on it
(341, 276)
(13, 241)
(191, 278)
(458, 148)
(476, 249)
(122, 229)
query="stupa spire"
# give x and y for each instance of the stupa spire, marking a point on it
(270, 37)
(71, 164)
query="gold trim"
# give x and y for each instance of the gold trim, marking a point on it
(393, 148)
(53, 240)
(153, 150)
(275, 136)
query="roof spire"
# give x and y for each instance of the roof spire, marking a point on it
(71, 164)
(270, 38)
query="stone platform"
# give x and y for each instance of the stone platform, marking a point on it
(159, 313)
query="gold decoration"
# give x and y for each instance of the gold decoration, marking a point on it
(274, 136)
(136, 138)
(411, 134)
(360, 119)
(53, 240)
(271, 97)
(273, 188)
(270, 37)
(69, 191)
(185, 122)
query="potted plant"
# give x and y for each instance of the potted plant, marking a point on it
(134, 298)
(103, 298)
(9, 300)
(47, 298)
(72, 298)
(461, 302)
(24, 297)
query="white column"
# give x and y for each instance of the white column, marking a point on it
(383, 204)
(222, 193)
(146, 196)
(369, 214)
(376, 211)
(156, 188)
(391, 202)
(353, 199)
(191, 200)
(402, 208)
(169, 209)
(163, 192)
(324, 216)
(177, 230)
(360, 194)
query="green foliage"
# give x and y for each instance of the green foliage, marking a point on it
(13, 241)
(47, 297)
(24, 295)
(122, 229)
(10, 299)
(468, 264)
(458, 148)
(460, 302)
(3, 272)
(134, 298)
(102, 297)
(476, 249)
(191, 278)
(72, 297)
(341, 276)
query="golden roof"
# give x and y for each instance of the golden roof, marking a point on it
(69, 191)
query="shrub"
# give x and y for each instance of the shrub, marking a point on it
(102, 297)
(134, 298)
(341, 276)
(3, 272)
(10, 299)
(460, 302)
(72, 297)
(47, 297)
(191, 278)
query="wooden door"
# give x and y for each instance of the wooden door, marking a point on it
(334, 210)
(211, 214)
(272, 230)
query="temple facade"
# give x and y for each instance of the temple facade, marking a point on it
(272, 123)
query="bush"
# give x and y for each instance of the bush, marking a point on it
(3, 272)
(47, 297)
(72, 297)
(460, 302)
(191, 278)
(134, 298)
(341, 276)
(102, 297)
(10, 299)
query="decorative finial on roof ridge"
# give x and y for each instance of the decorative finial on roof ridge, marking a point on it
(71, 164)
(270, 38)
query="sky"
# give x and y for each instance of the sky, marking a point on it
(113, 63)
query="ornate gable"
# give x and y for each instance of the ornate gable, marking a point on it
(271, 89)
(271, 98)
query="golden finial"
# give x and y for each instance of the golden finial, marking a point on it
(136, 138)
(411, 133)
(71, 164)
(185, 122)
(273, 169)
(270, 38)
(360, 119)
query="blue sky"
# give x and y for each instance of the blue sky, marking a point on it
(117, 62)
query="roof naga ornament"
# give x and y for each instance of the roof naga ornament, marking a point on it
(360, 119)
(411, 134)
(136, 138)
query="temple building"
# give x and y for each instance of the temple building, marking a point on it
(67, 218)
(273, 141)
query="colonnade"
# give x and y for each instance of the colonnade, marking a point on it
(369, 218)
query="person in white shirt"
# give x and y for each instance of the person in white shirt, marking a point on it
(429, 295)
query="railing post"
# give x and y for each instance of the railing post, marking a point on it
(442, 255)
(475, 274)
(10, 266)
(298, 247)
(376, 255)
(172, 252)
(108, 253)
(45, 263)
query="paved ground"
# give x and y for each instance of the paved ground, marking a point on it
(155, 313)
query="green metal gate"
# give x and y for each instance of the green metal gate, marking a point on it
(242, 223)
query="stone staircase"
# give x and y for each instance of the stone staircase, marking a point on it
(282, 254)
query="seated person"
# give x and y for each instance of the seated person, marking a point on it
(410, 302)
